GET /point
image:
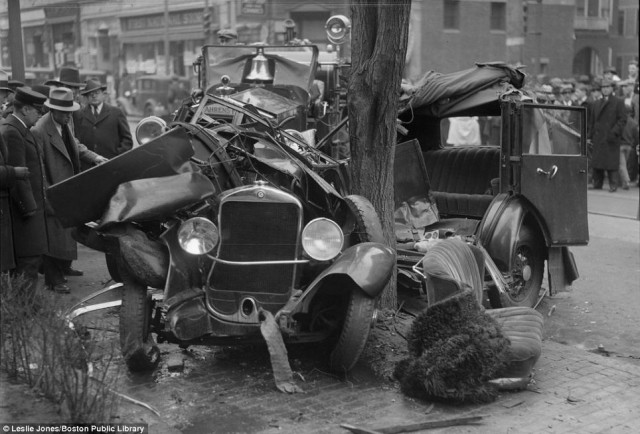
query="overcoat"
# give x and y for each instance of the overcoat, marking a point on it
(27, 196)
(108, 134)
(607, 119)
(60, 165)
(7, 180)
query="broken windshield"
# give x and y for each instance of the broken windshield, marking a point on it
(288, 65)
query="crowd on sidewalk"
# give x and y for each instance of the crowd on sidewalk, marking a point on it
(49, 132)
(612, 121)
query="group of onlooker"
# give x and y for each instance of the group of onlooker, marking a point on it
(47, 136)
(612, 122)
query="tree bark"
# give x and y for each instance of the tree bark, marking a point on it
(378, 52)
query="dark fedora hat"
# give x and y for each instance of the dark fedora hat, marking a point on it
(14, 84)
(70, 77)
(91, 86)
(53, 83)
(28, 96)
(41, 88)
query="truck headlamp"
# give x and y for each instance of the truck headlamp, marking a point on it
(150, 128)
(322, 239)
(338, 28)
(198, 236)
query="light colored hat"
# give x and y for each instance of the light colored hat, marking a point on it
(61, 98)
(545, 88)
(227, 34)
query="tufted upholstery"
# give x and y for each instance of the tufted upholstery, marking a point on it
(451, 266)
(461, 178)
(523, 327)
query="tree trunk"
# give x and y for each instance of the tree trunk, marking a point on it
(378, 52)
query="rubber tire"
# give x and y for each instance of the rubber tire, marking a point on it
(527, 241)
(357, 325)
(138, 346)
(112, 267)
(368, 226)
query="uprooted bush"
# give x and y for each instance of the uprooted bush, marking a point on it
(455, 349)
(38, 347)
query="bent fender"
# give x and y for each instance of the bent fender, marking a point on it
(368, 265)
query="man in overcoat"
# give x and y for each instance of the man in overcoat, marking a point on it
(27, 196)
(101, 127)
(62, 156)
(607, 120)
(70, 78)
(8, 177)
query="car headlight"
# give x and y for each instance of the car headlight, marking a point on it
(150, 128)
(322, 239)
(198, 236)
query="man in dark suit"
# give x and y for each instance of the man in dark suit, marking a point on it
(100, 127)
(607, 121)
(62, 156)
(27, 197)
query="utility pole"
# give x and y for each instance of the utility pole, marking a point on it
(206, 23)
(167, 67)
(16, 52)
(539, 37)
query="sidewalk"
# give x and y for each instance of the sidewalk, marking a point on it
(574, 392)
(622, 203)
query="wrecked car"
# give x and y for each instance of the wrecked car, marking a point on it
(521, 194)
(223, 230)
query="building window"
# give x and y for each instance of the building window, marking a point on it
(105, 44)
(592, 8)
(310, 25)
(628, 22)
(452, 14)
(498, 16)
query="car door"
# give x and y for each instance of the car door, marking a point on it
(553, 175)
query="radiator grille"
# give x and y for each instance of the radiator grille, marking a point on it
(255, 231)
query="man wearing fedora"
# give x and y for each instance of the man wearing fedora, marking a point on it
(62, 155)
(28, 195)
(606, 120)
(69, 78)
(7, 107)
(99, 126)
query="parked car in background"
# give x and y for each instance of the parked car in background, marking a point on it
(150, 96)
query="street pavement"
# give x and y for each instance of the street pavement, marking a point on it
(573, 390)
(622, 203)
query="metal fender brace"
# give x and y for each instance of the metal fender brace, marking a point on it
(561, 269)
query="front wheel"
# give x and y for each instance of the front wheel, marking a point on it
(527, 270)
(138, 346)
(357, 324)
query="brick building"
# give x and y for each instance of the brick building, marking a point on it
(552, 37)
